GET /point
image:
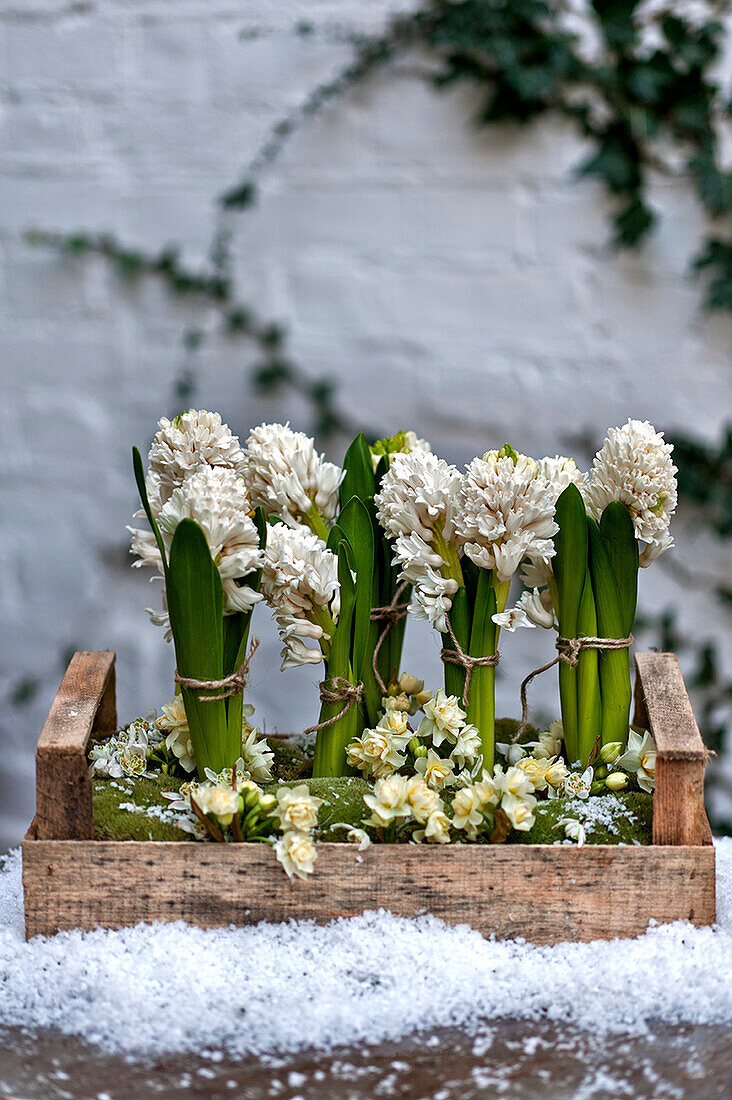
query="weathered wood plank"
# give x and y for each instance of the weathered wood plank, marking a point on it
(84, 703)
(678, 800)
(544, 893)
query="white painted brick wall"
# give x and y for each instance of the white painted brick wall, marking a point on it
(452, 280)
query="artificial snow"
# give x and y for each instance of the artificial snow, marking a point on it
(274, 989)
(603, 810)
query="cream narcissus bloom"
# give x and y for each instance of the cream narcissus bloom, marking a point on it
(640, 759)
(634, 466)
(217, 799)
(174, 722)
(422, 799)
(436, 830)
(470, 805)
(443, 719)
(297, 808)
(216, 498)
(513, 781)
(435, 770)
(549, 742)
(519, 809)
(300, 583)
(182, 446)
(376, 753)
(297, 853)
(389, 801)
(288, 478)
(505, 512)
(415, 505)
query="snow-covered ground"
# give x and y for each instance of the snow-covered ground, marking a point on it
(274, 989)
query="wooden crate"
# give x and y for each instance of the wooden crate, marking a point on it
(541, 892)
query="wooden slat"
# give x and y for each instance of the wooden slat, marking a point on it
(678, 800)
(542, 892)
(84, 704)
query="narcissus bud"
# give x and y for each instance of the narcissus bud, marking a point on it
(609, 753)
(616, 781)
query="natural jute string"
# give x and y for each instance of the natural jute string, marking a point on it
(390, 614)
(340, 690)
(233, 684)
(568, 650)
(457, 656)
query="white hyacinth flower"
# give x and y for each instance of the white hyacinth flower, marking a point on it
(216, 498)
(182, 446)
(537, 605)
(288, 478)
(634, 466)
(417, 496)
(300, 583)
(513, 618)
(640, 759)
(505, 512)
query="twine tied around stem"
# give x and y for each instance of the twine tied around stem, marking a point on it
(458, 656)
(390, 614)
(337, 690)
(233, 684)
(568, 650)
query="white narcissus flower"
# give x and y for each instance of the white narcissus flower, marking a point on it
(182, 446)
(436, 771)
(256, 756)
(300, 583)
(640, 759)
(505, 512)
(389, 801)
(297, 808)
(519, 809)
(512, 619)
(556, 774)
(537, 605)
(512, 753)
(467, 747)
(422, 799)
(549, 743)
(297, 853)
(573, 829)
(634, 466)
(288, 478)
(467, 811)
(536, 769)
(443, 719)
(354, 834)
(579, 786)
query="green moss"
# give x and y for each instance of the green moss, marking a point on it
(506, 729)
(289, 760)
(112, 823)
(633, 827)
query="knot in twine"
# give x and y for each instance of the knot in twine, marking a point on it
(457, 656)
(233, 684)
(568, 650)
(337, 690)
(390, 614)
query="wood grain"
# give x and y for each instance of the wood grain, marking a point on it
(543, 893)
(84, 704)
(678, 800)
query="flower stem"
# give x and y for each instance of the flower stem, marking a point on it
(316, 523)
(481, 694)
